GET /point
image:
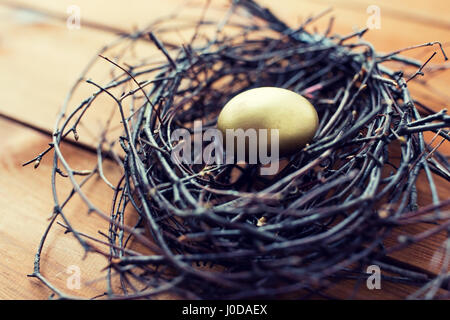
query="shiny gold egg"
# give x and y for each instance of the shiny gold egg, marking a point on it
(272, 108)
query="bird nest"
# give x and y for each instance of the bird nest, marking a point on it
(225, 231)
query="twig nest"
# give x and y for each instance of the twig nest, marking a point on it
(293, 116)
(253, 229)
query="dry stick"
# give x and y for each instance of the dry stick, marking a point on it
(428, 44)
(419, 72)
(335, 226)
(136, 82)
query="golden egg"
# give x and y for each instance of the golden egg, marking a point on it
(272, 108)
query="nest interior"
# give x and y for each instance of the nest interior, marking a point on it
(223, 230)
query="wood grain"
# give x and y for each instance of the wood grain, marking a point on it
(27, 37)
(40, 59)
(25, 206)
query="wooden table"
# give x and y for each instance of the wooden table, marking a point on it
(40, 58)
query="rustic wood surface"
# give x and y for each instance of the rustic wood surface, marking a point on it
(40, 58)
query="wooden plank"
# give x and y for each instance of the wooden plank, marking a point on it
(422, 12)
(52, 56)
(126, 16)
(25, 193)
(349, 14)
(40, 58)
(138, 14)
(31, 41)
(26, 205)
(396, 32)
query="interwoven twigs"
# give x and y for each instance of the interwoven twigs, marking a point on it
(224, 231)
